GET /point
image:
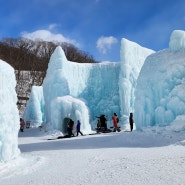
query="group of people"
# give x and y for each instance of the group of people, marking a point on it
(116, 121)
(70, 127)
(102, 122)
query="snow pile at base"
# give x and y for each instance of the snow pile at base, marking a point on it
(132, 59)
(160, 92)
(34, 110)
(9, 116)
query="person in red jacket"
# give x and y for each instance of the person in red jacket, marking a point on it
(115, 123)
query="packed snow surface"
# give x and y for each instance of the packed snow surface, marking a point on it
(154, 156)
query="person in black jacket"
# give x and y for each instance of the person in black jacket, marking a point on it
(103, 121)
(131, 121)
(70, 128)
(78, 128)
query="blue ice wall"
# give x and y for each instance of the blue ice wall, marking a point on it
(150, 85)
(104, 87)
(160, 91)
(96, 84)
(132, 57)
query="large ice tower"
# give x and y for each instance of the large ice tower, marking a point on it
(132, 57)
(160, 92)
(9, 115)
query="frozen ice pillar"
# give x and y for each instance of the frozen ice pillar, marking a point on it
(132, 58)
(34, 110)
(177, 40)
(55, 83)
(9, 115)
(60, 104)
(160, 91)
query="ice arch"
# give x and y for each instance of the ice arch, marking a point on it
(69, 107)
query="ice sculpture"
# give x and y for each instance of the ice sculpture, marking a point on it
(9, 115)
(160, 92)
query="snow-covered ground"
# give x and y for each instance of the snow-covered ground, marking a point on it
(154, 156)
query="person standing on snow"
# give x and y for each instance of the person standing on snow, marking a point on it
(70, 128)
(103, 121)
(115, 123)
(22, 125)
(131, 121)
(78, 128)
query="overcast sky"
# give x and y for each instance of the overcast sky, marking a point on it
(94, 26)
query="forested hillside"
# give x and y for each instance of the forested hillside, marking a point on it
(30, 60)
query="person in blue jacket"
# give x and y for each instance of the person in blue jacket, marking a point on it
(78, 128)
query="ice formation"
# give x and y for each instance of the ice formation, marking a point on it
(101, 86)
(34, 111)
(88, 82)
(132, 58)
(177, 40)
(144, 82)
(67, 107)
(160, 92)
(9, 115)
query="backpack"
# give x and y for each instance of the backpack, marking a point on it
(117, 120)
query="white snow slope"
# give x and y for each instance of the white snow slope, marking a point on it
(154, 156)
